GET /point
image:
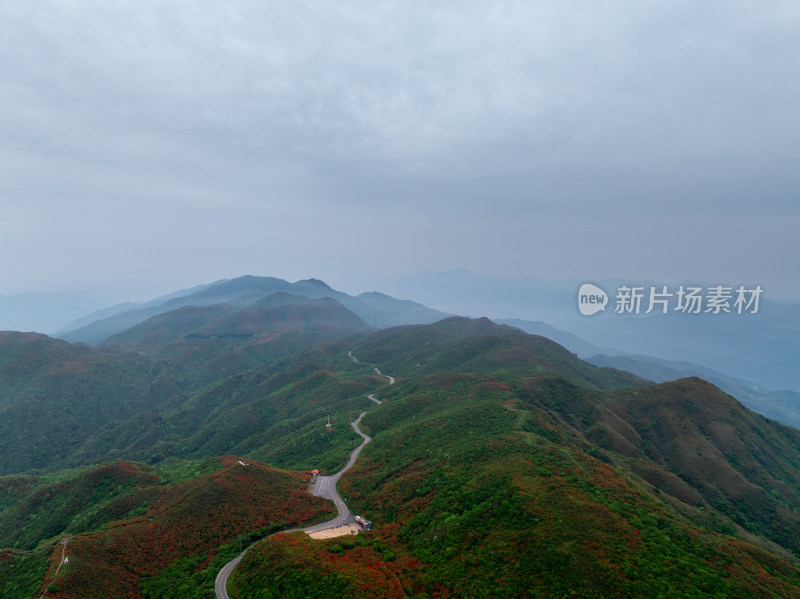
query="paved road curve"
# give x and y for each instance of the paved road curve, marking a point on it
(324, 487)
(391, 378)
(221, 582)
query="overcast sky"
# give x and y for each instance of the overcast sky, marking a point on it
(151, 145)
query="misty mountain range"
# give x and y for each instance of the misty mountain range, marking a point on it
(752, 357)
(763, 348)
(198, 396)
(376, 309)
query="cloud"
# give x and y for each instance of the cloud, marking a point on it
(250, 114)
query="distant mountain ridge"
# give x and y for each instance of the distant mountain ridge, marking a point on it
(763, 347)
(377, 310)
(279, 311)
(210, 341)
(114, 310)
(118, 324)
(783, 406)
(575, 344)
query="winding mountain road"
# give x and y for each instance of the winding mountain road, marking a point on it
(221, 583)
(391, 378)
(325, 487)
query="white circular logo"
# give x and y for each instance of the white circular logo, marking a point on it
(591, 299)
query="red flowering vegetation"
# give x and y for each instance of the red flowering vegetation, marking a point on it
(194, 518)
(496, 386)
(87, 501)
(297, 566)
(623, 529)
(759, 573)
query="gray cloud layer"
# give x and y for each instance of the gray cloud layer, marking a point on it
(185, 141)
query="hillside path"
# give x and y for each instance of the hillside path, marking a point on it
(64, 542)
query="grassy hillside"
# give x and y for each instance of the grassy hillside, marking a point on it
(211, 342)
(156, 332)
(463, 345)
(783, 406)
(66, 405)
(480, 488)
(501, 465)
(37, 509)
(53, 395)
(182, 533)
(743, 465)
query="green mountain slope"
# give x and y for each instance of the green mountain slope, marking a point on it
(54, 395)
(36, 509)
(162, 329)
(211, 342)
(501, 465)
(783, 406)
(481, 488)
(464, 345)
(65, 405)
(182, 533)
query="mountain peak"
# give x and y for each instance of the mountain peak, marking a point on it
(316, 283)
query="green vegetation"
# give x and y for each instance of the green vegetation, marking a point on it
(333, 568)
(480, 346)
(64, 405)
(475, 492)
(22, 574)
(83, 502)
(193, 577)
(501, 465)
(53, 396)
(46, 507)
